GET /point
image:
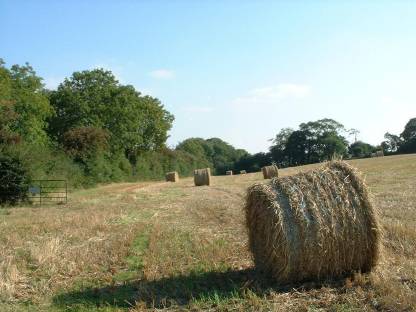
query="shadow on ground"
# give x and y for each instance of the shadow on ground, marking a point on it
(178, 290)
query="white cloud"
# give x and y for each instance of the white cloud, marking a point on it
(162, 74)
(273, 94)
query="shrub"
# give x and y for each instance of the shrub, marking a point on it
(154, 164)
(42, 162)
(85, 142)
(104, 168)
(14, 180)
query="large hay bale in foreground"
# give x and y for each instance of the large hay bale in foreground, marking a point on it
(270, 171)
(229, 172)
(314, 225)
(202, 177)
(172, 176)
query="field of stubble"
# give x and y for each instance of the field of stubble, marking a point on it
(173, 246)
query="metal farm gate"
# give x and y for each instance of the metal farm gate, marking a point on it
(48, 192)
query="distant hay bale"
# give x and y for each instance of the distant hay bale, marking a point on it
(243, 172)
(270, 171)
(313, 225)
(377, 154)
(172, 176)
(202, 177)
(229, 172)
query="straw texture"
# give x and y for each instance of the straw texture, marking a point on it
(270, 171)
(172, 176)
(202, 176)
(313, 225)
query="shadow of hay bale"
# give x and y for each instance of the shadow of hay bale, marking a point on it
(181, 290)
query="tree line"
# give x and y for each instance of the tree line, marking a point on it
(93, 129)
(312, 142)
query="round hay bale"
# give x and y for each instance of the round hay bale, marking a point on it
(172, 176)
(243, 172)
(229, 172)
(270, 171)
(313, 225)
(202, 177)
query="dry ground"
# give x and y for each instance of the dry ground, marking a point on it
(173, 246)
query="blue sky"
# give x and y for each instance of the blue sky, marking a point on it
(237, 70)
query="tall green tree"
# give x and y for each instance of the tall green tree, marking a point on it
(197, 147)
(361, 149)
(298, 148)
(408, 137)
(8, 115)
(324, 139)
(409, 131)
(221, 155)
(314, 141)
(24, 106)
(278, 149)
(224, 155)
(94, 98)
(392, 143)
(253, 163)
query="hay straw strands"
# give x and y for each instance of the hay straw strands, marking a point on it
(243, 172)
(172, 176)
(229, 172)
(202, 176)
(377, 154)
(314, 225)
(270, 171)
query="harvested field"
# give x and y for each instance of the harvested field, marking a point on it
(174, 246)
